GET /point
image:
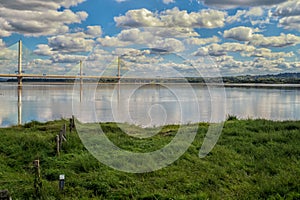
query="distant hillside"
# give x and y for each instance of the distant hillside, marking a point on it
(283, 75)
(284, 78)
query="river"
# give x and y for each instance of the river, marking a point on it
(146, 104)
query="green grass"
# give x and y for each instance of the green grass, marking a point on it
(253, 159)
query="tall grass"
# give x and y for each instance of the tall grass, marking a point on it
(253, 159)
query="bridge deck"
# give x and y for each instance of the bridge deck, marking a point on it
(84, 77)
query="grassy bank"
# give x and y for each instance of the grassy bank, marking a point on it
(253, 159)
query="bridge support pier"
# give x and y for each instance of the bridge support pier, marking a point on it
(20, 81)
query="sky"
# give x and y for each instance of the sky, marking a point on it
(153, 37)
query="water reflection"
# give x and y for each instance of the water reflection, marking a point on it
(146, 105)
(275, 104)
(19, 105)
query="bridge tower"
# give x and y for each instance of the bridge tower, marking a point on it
(81, 80)
(119, 68)
(20, 65)
(81, 71)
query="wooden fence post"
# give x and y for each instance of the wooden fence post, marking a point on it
(37, 179)
(62, 135)
(4, 195)
(64, 129)
(61, 138)
(57, 145)
(72, 123)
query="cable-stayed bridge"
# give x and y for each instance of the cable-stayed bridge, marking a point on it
(20, 74)
(22, 53)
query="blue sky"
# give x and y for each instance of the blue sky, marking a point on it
(239, 37)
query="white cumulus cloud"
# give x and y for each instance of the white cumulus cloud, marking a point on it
(37, 17)
(172, 18)
(201, 41)
(168, 1)
(247, 34)
(241, 3)
(169, 45)
(240, 33)
(289, 13)
(2, 44)
(223, 49)
(275, 41)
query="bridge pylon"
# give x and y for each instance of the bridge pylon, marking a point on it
(20, 64)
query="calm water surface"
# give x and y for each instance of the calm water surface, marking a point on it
(145, 105)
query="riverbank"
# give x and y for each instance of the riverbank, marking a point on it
(253, 159)
(271, 79)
